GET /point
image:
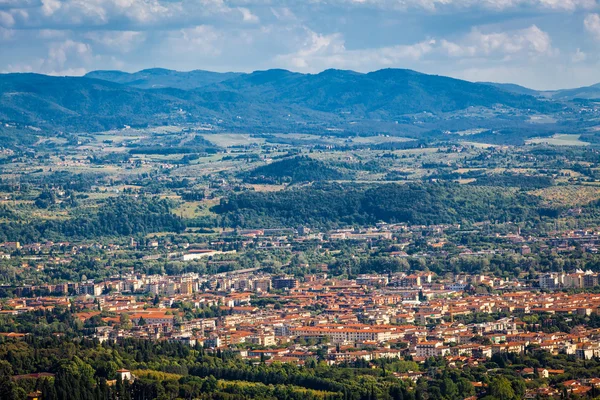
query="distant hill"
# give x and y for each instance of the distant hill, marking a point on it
(513, 88)
(273, 100)
(157, 78)
(586, 93)
(82, 104)
(294, 170)
(387, 93)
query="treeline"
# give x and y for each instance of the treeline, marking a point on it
(121, 216)
(339, 205)
(58, 179)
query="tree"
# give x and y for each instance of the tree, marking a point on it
(210, 384)
(125, 321)
(449, 389)
(465, 388)
(7, 386)
(501, 388)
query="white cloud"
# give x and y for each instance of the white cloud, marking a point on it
(247, 15)
(579, 56)
(53, 34)
(129, 14)
(65, 57)
(6, 34)
(532, 41)
(498, 5)
(6, 19)
(319, 52)
(119, 41)
(200, 39)
(49, 7)
(435, 36)
(329, 51)
(592, 25)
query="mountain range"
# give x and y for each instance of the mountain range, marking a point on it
(389, 100)
(157, 78)
(584, 93)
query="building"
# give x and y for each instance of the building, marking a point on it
(284, 283)
(411, 281)
(549, 281)
(431, 349)
(124, 375)
(344, 335)
(261, 285)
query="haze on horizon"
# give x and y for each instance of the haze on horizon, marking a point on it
(541, 44)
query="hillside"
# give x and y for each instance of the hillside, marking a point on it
(294, 170)
(587, 92)
(517, 89)
(78, 104)
(157, 78)
(341, 206)
(263, 100)
(385, 93)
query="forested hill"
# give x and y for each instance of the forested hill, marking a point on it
(273, 98)
(122, 216)
(156, 78)
(293, 170)
(387, 92)
(340, 206)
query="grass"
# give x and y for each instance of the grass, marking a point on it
(559, 140)
(469, 132)
(268, 188)
(195, 209)
(568, 196)
(380, 139)
(318, 393)
(232, 139)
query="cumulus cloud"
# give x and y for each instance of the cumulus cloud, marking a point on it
(329, 51)
(532, 40)
(435, 36)
(319, 52)
(119, 41)
(247, 15)
(131, 13)
(60, 52)
(6, 34)
(498, 5)
(6, 19)
(592, 25)
(200, 39)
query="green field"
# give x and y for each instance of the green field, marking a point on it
(232, 139)
(559, 140)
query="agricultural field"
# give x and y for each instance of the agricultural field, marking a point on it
(559, 140)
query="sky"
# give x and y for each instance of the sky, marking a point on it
(541, 44)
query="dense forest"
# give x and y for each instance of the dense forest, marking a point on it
(123, 216)
(294, 170)
(338, 205)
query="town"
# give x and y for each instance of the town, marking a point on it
(267, 317)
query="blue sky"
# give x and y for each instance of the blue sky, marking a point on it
(543, 44)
